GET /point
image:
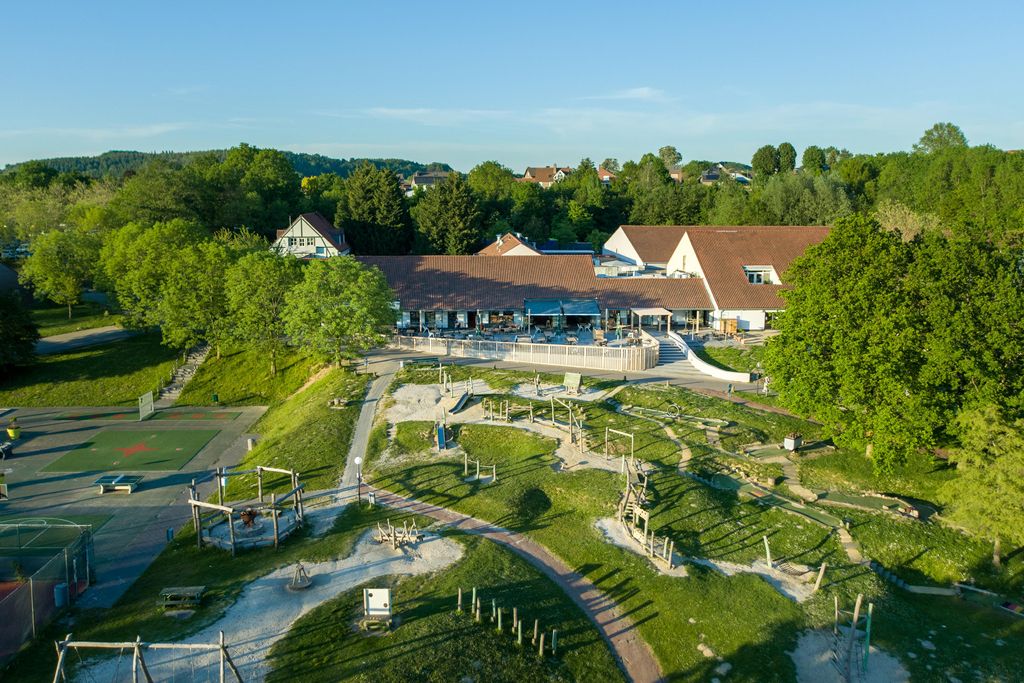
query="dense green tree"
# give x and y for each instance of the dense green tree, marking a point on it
(611, 164)
(492, 184)
(986, 495)
(797, 199)
(813, 160)
(374, 212)
(255, 290)
(940, 137)
(670, 156)
(787, 157)
(448, 217)
(18, 333)
(158, 193)
(765, 162)
(61, 264)
(340, 309)
(193, 305)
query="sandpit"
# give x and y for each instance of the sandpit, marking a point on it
(793, 587)
(814, 665)
(558, 391)
(265, 610)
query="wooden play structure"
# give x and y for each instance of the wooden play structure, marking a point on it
(634, 516)
(502, 411)
(244, 520)
(200, 656)
(516, 624)
(851, 640)
(465, 469)
(573, 422)
(398, 537)
(609, 439)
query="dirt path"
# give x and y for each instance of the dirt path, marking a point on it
(634, 655)
(69, 341)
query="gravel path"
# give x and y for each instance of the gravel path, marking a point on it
(634, 655)
(60, 343)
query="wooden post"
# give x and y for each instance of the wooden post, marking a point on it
(835, 622)
(500, 610)
(478, 470)
(220, 485)
(664, 549)
(494, 473)
(554, 641)
(515, 616)
(459, 608)
(142, 661)
(671, 554)
(540, 650)
(821, 575)
(536, 630)
(223, 652)
(259, 482)
(273, 515)
(853, 635)
(473, 601)
(767, 551)
(478, 611)
(519, 636)
(231, 531)
(135, 661)
(494, 609)
(465, 464)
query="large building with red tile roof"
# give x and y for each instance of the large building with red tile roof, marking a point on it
(311, 236)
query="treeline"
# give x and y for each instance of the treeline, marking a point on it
(117, 164)
(194, 287)
(943, 182)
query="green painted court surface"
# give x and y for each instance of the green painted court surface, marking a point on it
(218, 415)
(37, 535)
(134, 450)
(119, 415)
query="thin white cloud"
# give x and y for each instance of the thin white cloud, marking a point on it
(643, 93)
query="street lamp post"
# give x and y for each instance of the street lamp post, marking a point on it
(359, 480)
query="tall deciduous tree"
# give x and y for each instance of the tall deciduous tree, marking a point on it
(18, 333)
(813, 160)
(939, 137)
(765, 162)
(374, 212)
(448, 216)
(670, 156)
(62, 262)
(611, 164)
(193, 307)
(255, 291)
(340, 309)
(787, 157)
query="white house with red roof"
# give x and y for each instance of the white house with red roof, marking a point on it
(311, 236)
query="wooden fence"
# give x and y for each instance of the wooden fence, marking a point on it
(621, 359)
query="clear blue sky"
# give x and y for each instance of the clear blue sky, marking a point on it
(523, 83)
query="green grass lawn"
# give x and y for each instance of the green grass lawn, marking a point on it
(741, 618)
(930, 554)
(303, 434)
(922, 476)
(435, 643)
(114, 374)
(742, 359)
(134, 450)
(413, 437)
(84, 316)
(242, 378)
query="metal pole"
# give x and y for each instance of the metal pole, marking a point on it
(222, 653)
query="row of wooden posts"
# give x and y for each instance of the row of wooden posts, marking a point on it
(497, 612)
(502, 410)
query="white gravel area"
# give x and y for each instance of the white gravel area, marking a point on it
(613, 532)
(814, 665)
(266, 610)
(556, 390)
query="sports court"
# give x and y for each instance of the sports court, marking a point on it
(213, 416)
(134, 450)
(118, 415)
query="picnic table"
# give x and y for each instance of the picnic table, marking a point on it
(181, 596)
(112, 483)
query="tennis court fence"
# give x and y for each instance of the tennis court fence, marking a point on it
(44, 568)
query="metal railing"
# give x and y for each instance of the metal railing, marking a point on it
(621, 359)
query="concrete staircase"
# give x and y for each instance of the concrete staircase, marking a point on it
(170, 393)
(672, 361)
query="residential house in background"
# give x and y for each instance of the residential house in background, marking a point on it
(514, 244)
(606, 176)
(425, 180)
(311, 236)
(545, 176)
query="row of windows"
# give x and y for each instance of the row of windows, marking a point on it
(301, 241)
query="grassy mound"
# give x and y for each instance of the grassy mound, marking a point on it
(732, 357)
(434, 643)
(84, 316)
(242, 378)
(304, 434)
(114, 374)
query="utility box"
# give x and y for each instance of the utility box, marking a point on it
(792, 442)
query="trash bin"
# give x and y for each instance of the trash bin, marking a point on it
(215, 398)
(60, 595)
(13, 432)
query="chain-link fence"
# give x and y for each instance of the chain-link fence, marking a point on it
(44, 568)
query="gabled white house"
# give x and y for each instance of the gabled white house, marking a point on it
(646, 246)
(311, 236)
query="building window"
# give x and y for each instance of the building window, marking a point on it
(760, 275)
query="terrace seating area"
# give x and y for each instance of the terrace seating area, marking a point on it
(582, 334)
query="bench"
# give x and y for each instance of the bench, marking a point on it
(181, 597)
(113, 483)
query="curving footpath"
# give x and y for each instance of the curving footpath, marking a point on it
(633, 654)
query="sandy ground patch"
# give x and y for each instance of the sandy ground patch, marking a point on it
(265, 610)
(794, 588)
(558, 391)
(814, 665)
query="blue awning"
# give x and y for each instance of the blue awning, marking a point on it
(581, 307)
(543, 307)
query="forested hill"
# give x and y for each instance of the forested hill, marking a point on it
(117, 163)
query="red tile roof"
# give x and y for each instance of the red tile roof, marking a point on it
(505, 243)
(723, 251)
(500, 283)
(654, 243)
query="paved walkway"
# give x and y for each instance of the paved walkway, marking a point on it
(60, 343)
(634, 655)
